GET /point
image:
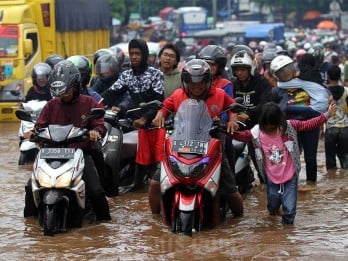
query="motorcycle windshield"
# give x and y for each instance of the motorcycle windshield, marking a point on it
(192, 121)
(59, 133)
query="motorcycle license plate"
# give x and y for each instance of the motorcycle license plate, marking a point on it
(57, 153)
(190, 146)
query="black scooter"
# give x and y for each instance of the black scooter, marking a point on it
(119, 147)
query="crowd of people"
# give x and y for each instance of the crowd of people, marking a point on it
(289, 96)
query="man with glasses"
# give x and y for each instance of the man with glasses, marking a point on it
(169, 58)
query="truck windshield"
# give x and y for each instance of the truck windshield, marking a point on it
(8, 41)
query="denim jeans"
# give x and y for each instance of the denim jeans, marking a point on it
(284, 195)
(308, 141)
(301, 112)
(336, 144)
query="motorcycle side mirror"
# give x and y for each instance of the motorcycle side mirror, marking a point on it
(237, 108)
(151, 105)
(24, 115)
(15, 93)
(96, 113)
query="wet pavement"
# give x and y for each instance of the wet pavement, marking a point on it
(319, 232)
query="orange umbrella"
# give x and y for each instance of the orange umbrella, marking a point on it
(310, 15)
(327, 24)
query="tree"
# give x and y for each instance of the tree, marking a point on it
(300, 6)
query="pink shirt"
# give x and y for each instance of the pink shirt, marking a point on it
(278, 162)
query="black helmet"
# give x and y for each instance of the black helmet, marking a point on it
(65, 76)
(214, 54)
(84, 66)
(126, 64)
(100, 53)
(242, 47)
(196, 70)
(53, 59)
(230, 46)
(40, 75)
(106, 66)
(318, 53)
(268, 55)
(118, 53)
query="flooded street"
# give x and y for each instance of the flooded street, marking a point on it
(319, 232)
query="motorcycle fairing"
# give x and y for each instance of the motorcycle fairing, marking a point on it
(60, 133)
(214, 154)
(186, 202)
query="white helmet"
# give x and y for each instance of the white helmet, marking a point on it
(262, 45)
(307, 46)
(280, 62)
(242, 59)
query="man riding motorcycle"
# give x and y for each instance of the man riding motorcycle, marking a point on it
(69, 107)
(40, 78)
(197, 79)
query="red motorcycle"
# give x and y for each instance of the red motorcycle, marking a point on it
(190, 171)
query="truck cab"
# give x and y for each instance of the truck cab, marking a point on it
(19, 52)
(31, 30)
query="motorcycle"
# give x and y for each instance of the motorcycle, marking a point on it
(28, 149)
(191, 170)
(243, 170)
(56, 182)
(119, 148)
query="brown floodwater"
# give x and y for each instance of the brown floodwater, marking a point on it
(319, 232)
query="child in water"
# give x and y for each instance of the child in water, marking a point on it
(278, 156)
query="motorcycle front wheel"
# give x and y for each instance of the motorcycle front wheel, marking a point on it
(185, 222)
(49, 220)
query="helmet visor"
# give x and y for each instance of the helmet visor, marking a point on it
(286, 73)
(102, 68)
(42, 81)
(188, 78)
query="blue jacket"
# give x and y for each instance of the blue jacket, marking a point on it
(319, 96)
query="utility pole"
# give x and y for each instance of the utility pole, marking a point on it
(214, 3)
(229, 10)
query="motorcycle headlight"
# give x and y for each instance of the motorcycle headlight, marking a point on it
(64, 180)
(188, 170)
(44, 179)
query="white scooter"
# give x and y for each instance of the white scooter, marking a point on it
(56, 182)
(28, 149)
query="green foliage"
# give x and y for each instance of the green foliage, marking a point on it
(300, 6)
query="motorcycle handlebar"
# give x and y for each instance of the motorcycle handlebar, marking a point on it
(219, 127)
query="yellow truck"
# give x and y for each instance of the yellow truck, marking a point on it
(31, 30)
